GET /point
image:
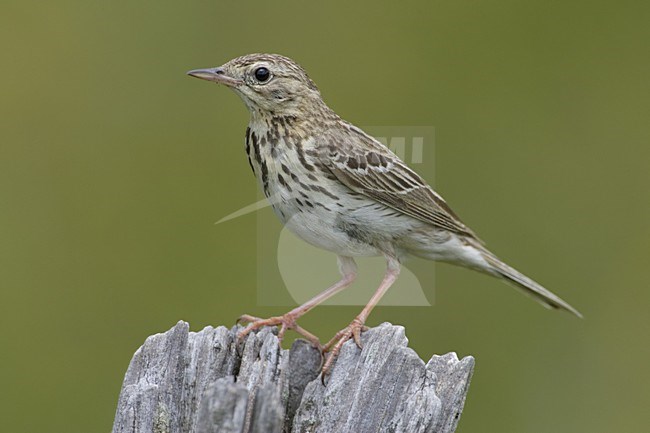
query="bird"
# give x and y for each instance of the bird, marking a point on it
(341, 190)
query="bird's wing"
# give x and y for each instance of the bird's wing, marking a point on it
(368, 167)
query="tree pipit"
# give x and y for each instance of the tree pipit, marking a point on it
(341, 190)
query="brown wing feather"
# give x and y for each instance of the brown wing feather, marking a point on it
(369, 168)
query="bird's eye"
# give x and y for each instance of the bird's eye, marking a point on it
(262, 74)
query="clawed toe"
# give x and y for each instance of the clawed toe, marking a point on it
(257, 323)
(351, 332)
(286, 322)
(247, 318)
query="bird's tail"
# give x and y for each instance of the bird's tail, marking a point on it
(528, 286)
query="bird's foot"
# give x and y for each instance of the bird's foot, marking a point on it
(350, 332)
(286, 322)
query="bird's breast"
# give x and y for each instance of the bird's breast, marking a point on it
(312, 202)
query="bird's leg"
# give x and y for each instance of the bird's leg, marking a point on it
(348, 269)
(353, 330)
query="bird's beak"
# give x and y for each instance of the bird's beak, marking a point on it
(218, 75)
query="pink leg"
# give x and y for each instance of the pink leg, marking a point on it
(353, 330)
(348, 269)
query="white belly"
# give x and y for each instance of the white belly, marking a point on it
(320, 229)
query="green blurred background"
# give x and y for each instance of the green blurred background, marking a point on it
(114, 166)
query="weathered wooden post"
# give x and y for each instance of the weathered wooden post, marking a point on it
(205, 382)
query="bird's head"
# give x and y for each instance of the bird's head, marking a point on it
(269, 84)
